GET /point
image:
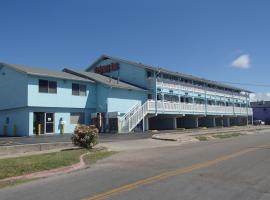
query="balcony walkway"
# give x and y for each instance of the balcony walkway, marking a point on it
(195, 109)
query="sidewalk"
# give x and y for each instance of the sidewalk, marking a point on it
(188, 135)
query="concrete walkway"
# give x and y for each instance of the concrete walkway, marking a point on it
(188, 135)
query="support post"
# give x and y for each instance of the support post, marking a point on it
(146, 123)
(174, 123)
(155, 76)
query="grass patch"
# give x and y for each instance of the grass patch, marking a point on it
(229, 135)
(28, 164)
(98, 155)
(18, 166)
(201, 138)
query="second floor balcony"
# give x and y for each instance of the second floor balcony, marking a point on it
(198, 109)
(187, 87)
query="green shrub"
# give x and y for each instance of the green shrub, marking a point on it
(201, 138)
(85, 136)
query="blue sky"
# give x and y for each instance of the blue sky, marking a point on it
(221, 40)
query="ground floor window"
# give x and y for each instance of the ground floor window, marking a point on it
(77, 118)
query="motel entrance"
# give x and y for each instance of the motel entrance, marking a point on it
(43, 123)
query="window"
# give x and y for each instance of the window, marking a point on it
(159, 97)
(77, 118)
(171, 98)
(150, 74)
(52, 87)
(46, 86)
(78, 89)
(150, 96)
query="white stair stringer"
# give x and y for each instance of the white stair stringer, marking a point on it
(128, 123)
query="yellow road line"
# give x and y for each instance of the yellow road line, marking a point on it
(168, 174)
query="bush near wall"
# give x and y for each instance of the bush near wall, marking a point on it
(85, 136)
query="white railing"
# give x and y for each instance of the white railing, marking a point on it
(198, 89)
(166, 106)
(250, 111)
(128, 123)
(131, 111)
(138, 116)
(132, 119)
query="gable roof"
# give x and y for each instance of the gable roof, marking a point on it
(44, 72)
(159, 69)
(104, 79)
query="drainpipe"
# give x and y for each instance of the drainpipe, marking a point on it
(233, 103)
(205, 99)
(247, 104)
(155, 76)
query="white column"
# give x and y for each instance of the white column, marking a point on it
(174, 123)
(146, 123)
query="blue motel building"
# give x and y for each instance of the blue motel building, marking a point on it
(116, 95)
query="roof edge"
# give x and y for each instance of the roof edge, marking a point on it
(145, 66)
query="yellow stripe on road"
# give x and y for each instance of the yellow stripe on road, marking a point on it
(168, 174)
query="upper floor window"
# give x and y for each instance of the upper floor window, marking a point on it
(150, 96)
(46, 86)
(78, 89)
(150, 74)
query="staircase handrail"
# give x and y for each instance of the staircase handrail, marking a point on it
(122, 118)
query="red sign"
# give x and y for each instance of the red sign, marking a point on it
(107, 68)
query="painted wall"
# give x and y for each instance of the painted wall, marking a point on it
(18, 117)
(262, 114)
(137, 75)
(128, 73)
(59, 113)
(63, 98)
(13, 87)
(119, 100)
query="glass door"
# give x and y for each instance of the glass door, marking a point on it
(49, 122)
(38, 123)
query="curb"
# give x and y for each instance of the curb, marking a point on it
(26, 148)
(51, 172)
(163, 138)
(177, 136)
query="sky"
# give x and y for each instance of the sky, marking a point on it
(222, 40)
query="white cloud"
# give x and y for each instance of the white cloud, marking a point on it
(260, 96)
(242, 62)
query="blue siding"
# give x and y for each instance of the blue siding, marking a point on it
(13, 87)
(119, 100)
(18, 117)
(129, 73)
(63, 98)
(63, 113)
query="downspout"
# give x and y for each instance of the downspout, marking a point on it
(155, 76)
(205, 99)
(247, 106)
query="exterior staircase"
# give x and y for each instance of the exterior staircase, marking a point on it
(131, 119)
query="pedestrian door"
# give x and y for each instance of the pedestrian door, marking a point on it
(43, 123)
(49, 120)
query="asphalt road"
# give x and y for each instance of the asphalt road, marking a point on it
(237, 168)
(7, 141)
